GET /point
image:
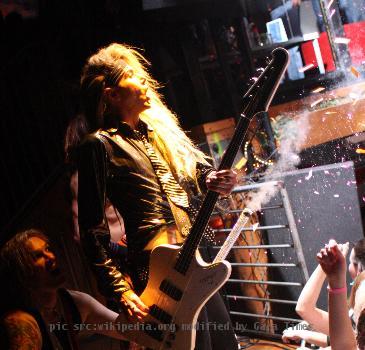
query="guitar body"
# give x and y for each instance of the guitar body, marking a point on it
(193, 289)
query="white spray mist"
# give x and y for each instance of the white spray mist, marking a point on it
(292, 137)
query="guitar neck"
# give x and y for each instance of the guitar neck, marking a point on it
(233, 235)
(197, 230)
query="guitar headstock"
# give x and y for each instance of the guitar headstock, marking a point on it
(260, 94)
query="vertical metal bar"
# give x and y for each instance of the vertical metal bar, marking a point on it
(334, 27)
(294, 233)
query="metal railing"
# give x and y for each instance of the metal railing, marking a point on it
(294, 246)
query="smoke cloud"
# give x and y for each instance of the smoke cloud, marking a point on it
(292, 136)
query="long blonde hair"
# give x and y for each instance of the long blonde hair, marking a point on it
(176, 148)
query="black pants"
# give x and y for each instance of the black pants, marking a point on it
(214, 329)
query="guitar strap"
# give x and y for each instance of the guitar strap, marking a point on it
(182, 209)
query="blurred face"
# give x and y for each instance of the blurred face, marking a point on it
(46, 273)
(130, 97)
(353, 266)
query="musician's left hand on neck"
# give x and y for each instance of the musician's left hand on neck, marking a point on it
(222, 181)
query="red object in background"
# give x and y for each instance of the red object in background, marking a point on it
(353, 31)
(216, 222)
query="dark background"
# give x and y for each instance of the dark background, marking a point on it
(44, 44)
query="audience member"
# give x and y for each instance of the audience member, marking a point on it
(317, 318)
(37, 312)
(333, 263)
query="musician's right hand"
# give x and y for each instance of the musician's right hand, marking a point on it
(135, 307)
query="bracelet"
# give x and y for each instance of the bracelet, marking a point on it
(337, 290)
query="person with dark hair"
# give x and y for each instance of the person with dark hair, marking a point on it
(138, 158)
(37, 312)
(360, 337)
(77, 129)
(357, 259)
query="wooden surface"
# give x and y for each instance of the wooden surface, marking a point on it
(266, 345)
(329, 123)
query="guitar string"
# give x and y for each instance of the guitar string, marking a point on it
(236, 141)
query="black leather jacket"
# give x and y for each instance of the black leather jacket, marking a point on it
(114, 164)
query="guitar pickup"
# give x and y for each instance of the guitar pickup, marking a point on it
(172, 291)
(160, 314)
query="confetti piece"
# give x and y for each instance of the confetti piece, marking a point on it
(318, 89)
(336, 195)
(305, 68)
(316, 102)
(354, 71)
(355, 101)
(255, 226)
(316, 192)
(326, 172)
(300, 181)
(331, 113)
(310, 174)
(360, 151)
(332, 13)
(241, 163)
(342, 40)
